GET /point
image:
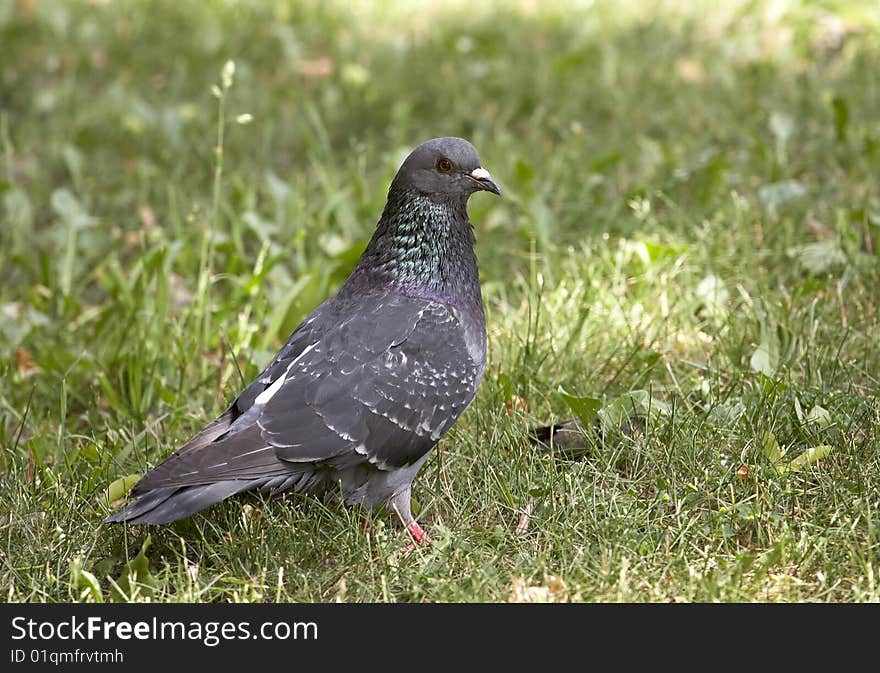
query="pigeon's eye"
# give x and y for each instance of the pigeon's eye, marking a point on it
(444, 165)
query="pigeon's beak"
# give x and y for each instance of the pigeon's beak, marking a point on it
(484, 181)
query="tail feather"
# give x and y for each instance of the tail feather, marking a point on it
(165, 505)
(142, 505)
(170, 503)
(219, 462)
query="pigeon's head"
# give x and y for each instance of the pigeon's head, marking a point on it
(445, 166)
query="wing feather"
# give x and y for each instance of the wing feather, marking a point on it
(388, 405)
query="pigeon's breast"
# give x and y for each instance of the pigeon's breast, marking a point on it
(468, 316)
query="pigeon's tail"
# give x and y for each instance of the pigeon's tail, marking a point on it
(170, 503)
(165, 505)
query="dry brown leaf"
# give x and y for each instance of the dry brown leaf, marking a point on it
(523, 524)
(148, 217)
(554, 590)
(690, 70)
(817, 228)
(318, 68)
(517, 403)
(24, 363)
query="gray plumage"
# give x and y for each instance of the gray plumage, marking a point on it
(366, 386)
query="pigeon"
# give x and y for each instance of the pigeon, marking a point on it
(365, 387)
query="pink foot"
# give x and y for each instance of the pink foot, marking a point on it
(419, 536)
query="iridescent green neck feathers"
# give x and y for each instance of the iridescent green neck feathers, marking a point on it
(424, 245)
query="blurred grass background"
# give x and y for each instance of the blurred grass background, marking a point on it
(689, 230)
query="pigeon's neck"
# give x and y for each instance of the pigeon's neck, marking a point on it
(424, 246)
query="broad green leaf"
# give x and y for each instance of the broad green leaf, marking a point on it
(727, 414)
(585, 408)
(633, 403)
(771, 447)
(118, 489)
(136, 579)
(817, 257)
(765, 359)
(799, 410)
(809, 457)
(819, 416)
(84, 582)
(713, 295)
(658, 251)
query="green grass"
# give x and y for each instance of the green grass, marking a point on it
(690, 229)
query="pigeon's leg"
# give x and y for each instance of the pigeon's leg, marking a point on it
(400, 503)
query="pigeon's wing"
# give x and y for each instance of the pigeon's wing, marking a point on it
(382, 388)
(380, 384)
